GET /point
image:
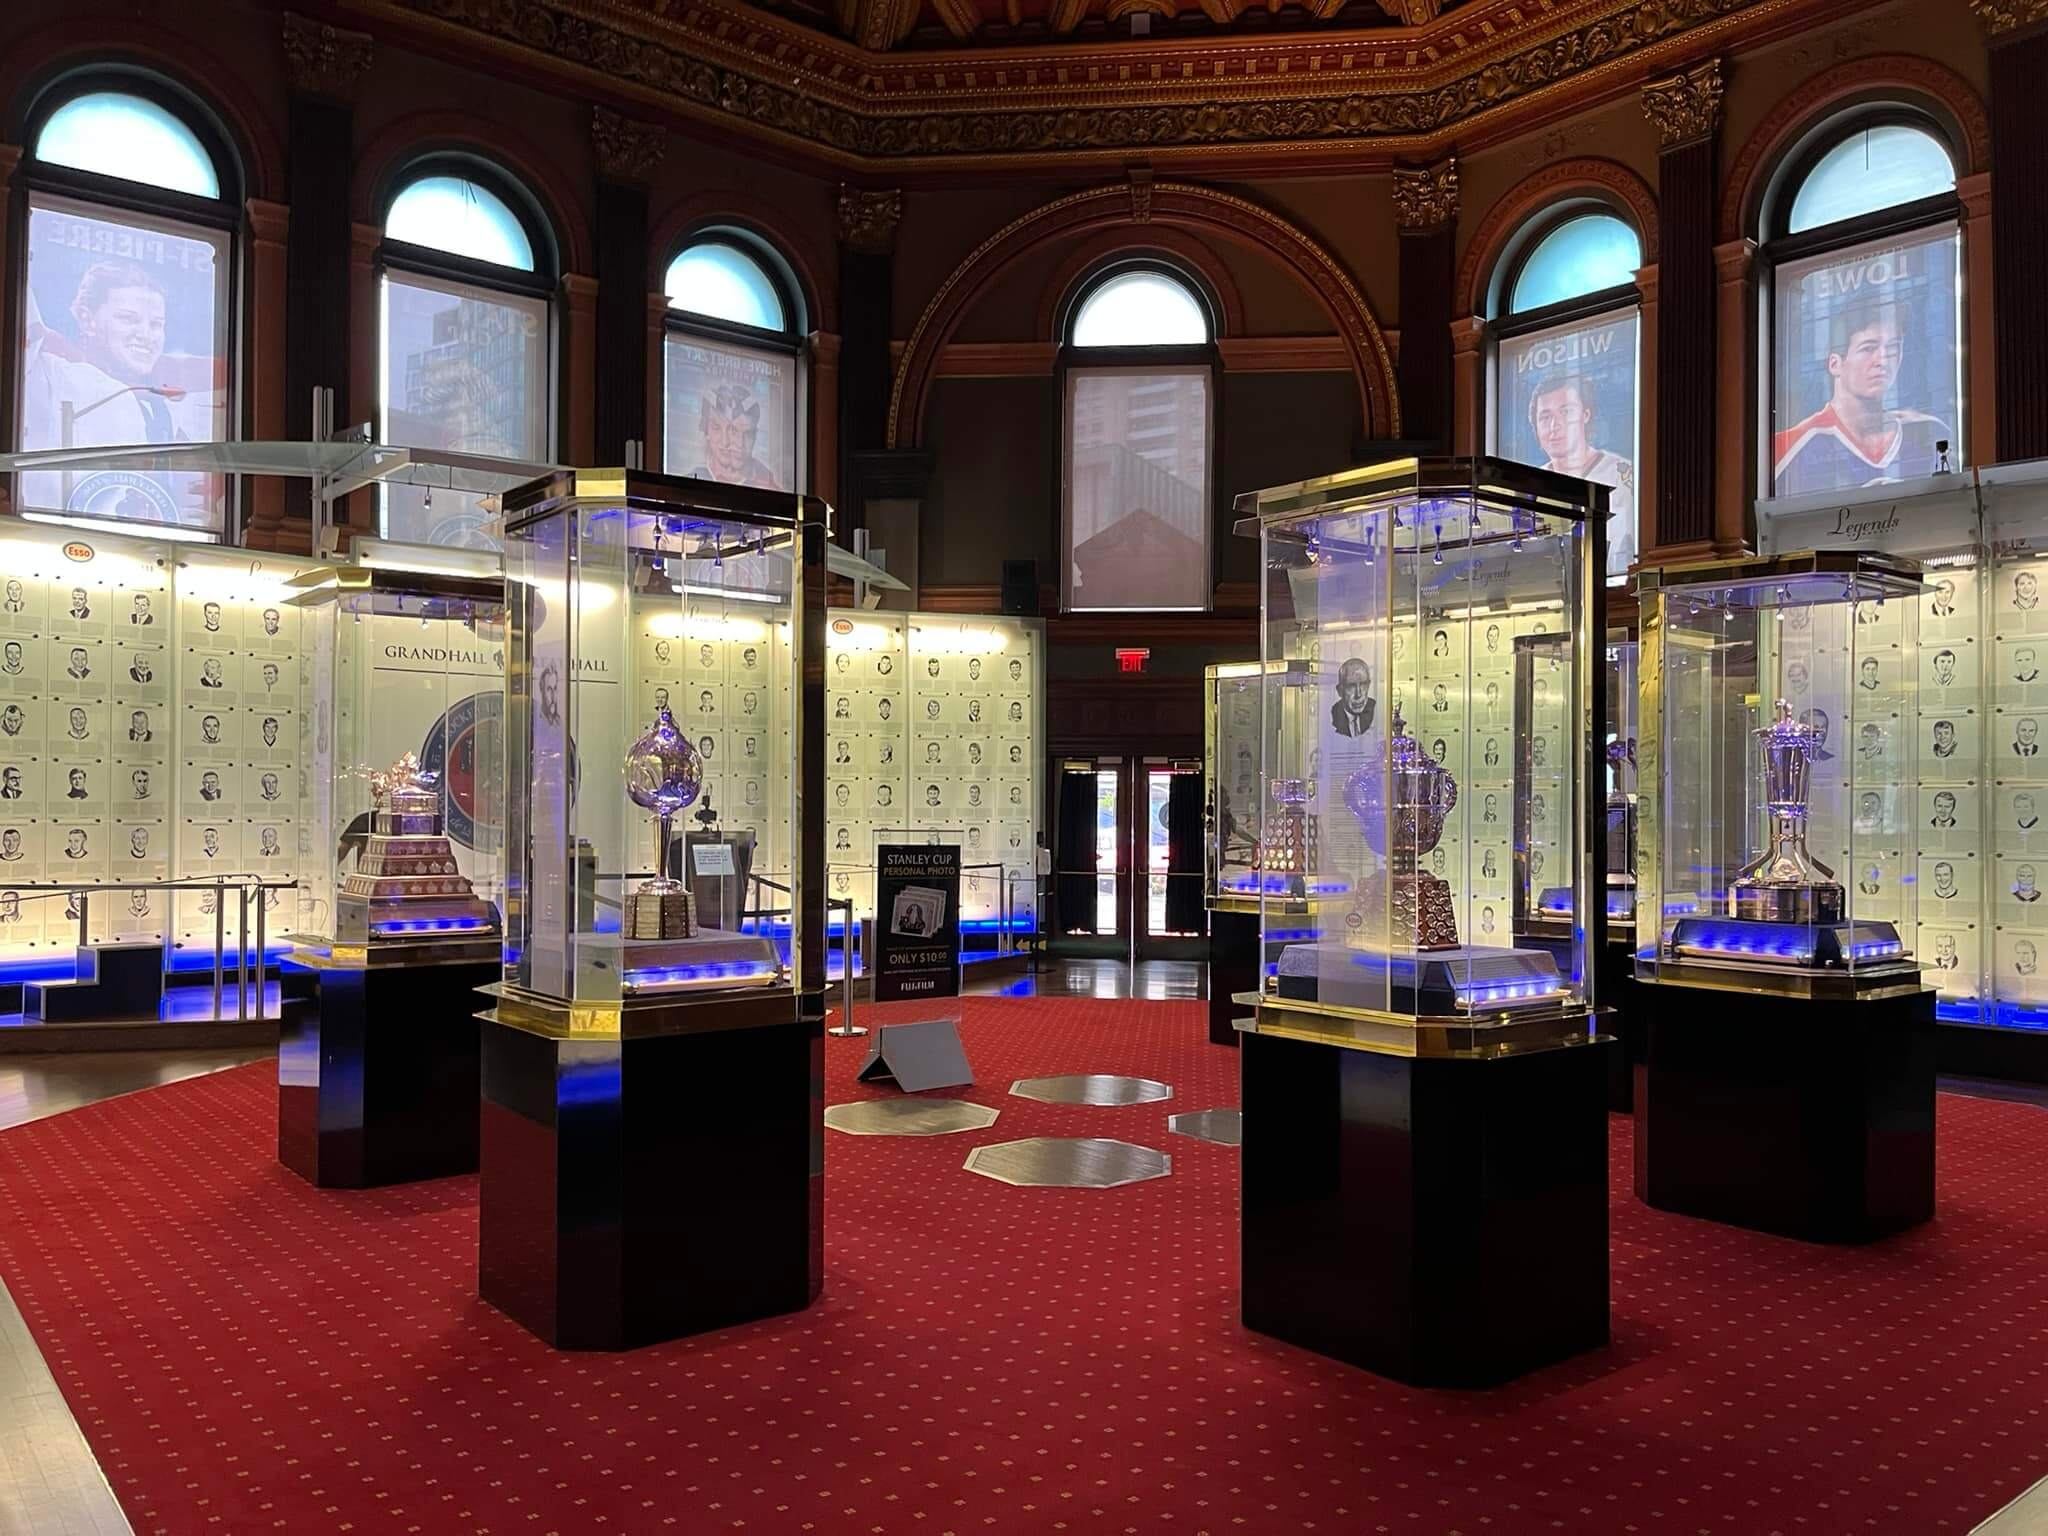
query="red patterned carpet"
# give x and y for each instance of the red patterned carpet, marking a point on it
(248, 1354)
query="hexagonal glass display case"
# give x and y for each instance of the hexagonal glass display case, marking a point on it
(656, 707)
(1397, 600)
(1778, 824)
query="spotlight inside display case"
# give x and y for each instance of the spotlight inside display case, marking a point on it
(1786, 1080)
(662, 1002)
(1397, 1004)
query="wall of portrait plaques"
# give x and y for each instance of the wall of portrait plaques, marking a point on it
(935, 733)
(1954, 746)
(149, 701)
(1455, 677)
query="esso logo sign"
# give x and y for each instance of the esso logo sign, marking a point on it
(842, 626)
(78, 551)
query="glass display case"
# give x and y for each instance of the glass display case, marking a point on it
(1972, 787)
(661, 847)
(1233, 751)
(1780, 835)
(1397, 599)
(402, 793)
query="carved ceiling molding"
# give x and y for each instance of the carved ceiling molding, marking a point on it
(2002, 16)
(1184, 205)
(322, 60)
(1685, 107)
(1941, 87)
(1394, 89)
(625, 150)
(1426, 197)
(1604, 179)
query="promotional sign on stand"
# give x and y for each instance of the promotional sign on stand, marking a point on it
(917, 955)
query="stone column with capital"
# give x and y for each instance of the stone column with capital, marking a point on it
(323, 65)
(268, 521)
(1686, 111)
(2018, 34)
(868, 220)
(1426, 213)
(625, 153)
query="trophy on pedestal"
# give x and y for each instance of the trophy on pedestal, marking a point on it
(663, 775)
(1786, 883)
(1424, 794)
(406, 883)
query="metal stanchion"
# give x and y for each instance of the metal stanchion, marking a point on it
(262, 1003)
(242, 955)
(84, 929)
(846, 1027)
(220, 938)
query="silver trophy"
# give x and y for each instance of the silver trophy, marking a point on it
(663, 775)
(1786, 883)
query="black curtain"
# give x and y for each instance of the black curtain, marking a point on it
(1073, 851)
(1184, 853)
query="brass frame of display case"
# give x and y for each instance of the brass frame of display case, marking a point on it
(783, 517)
(1481, 1037)
(1511, 486)
(1214, 897)
(1886, 576)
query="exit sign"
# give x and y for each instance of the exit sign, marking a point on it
(1131, 658)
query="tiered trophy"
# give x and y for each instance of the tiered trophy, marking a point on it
(1424, 794)
(1786, 883)
(406, 884)
(1291, 850)
(663, 775)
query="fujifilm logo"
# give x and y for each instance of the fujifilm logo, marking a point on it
(1863, 529)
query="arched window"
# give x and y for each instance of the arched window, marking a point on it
(1863, 255)
(1565, 333)
(133, 208)
(467, 278)
(1138, 374)
(732, 406)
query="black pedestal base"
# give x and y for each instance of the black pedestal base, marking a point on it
(1439, 1221)
(643, 1189)
(377, 1071)
(1622, 1001)
(1233, 968)
(1809, 1118)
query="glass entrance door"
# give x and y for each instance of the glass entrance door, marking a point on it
(1129, 857)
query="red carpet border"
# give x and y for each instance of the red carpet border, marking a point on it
(246, 1353)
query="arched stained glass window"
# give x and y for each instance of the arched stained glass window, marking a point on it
(454, 215)
(112, 133)
(731, 363)
(1141, 309)
(1565, 370)
(1872, 168)
(716, 281)
(1588, 253)
(1138, 447)
(1865, 262)
(133, 209)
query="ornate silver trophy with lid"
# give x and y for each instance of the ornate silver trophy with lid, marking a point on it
(1424, 795)
(1786, 883)
(663, 775)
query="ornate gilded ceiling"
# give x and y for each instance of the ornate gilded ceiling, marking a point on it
(1239, 92)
